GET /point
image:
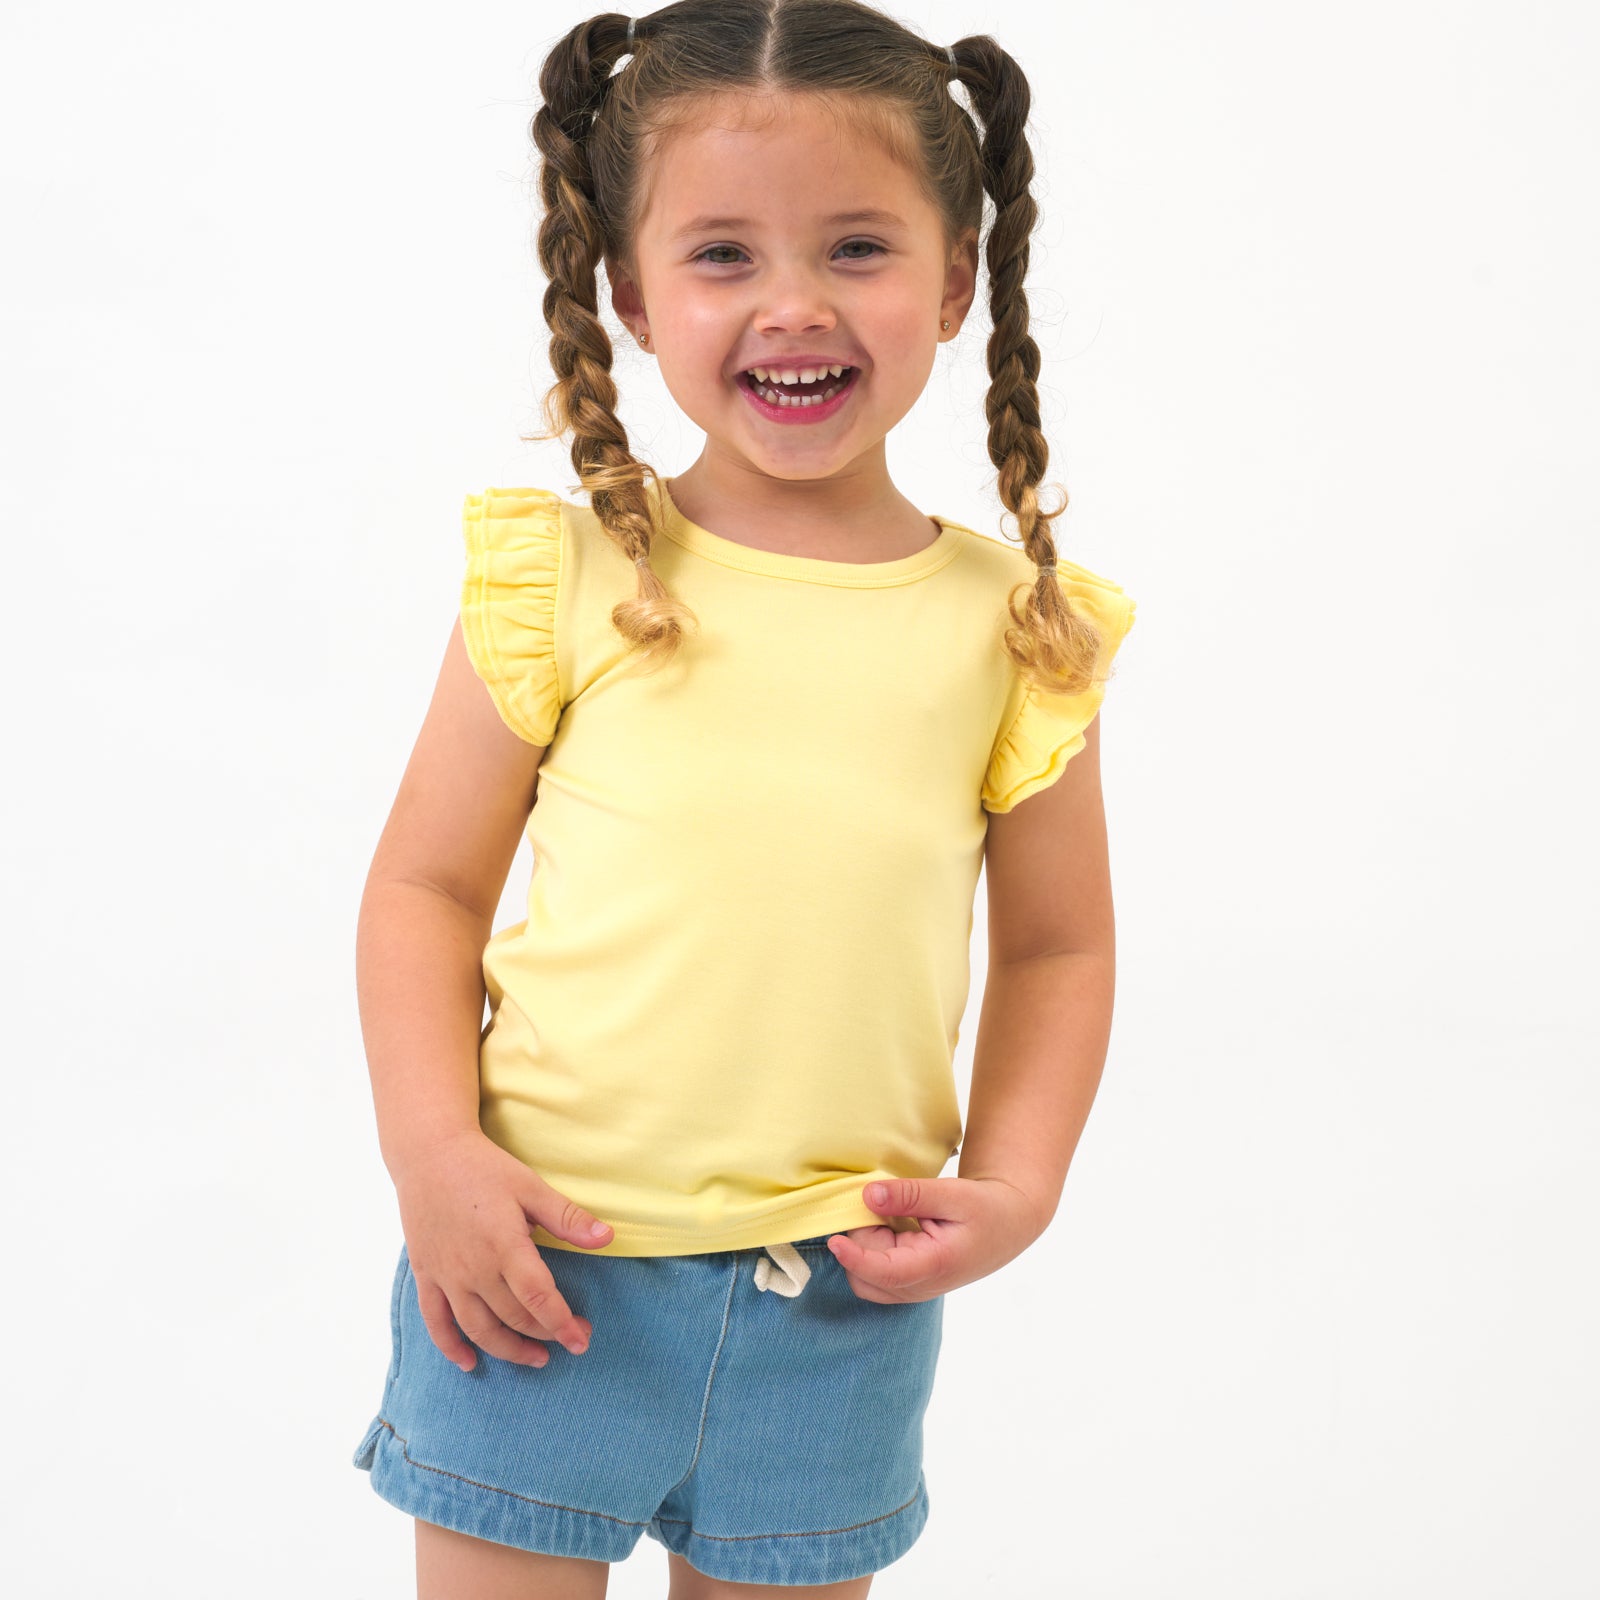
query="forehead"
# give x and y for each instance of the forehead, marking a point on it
(774, 157)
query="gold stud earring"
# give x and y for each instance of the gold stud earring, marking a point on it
(644, 338)
(945, 323)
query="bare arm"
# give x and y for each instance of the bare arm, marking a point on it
(426, 914)
(428, 909)
(1045, 1021)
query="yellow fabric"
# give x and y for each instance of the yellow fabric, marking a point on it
(736, 994)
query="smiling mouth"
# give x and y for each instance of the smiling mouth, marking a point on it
(816, 391)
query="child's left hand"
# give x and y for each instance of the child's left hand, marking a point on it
(969, 1227)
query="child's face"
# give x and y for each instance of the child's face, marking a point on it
(742, 258)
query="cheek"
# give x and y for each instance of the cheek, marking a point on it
(699, 331)
(908, 343)
(908, 320)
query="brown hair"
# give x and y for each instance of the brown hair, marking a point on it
(596, 132)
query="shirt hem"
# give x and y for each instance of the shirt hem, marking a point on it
(805, 1222)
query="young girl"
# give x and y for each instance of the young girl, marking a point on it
(762, 724)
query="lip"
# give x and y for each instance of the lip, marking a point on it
(810, 358)
(798, 414)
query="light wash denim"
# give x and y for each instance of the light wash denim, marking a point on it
(745, 1408)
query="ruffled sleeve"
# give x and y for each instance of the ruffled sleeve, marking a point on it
(508, 604)
(1041, 732)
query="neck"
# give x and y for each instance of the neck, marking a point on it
(855, 515)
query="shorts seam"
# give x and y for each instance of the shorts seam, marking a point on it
(711, 1378)
(511, 1494)
(737, 1538)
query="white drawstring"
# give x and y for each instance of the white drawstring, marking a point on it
(782, 1269)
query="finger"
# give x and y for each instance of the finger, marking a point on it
(534, 1289)
(564, 1218)
(515, 1313)
(876, 1236)
(479, 1321)
(919, 1197)
(863, 1289)
(914, 1259)
(517, 1320)
(440, 1322)
(848, 1248)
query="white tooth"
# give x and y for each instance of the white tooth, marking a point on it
(787, 377)
(835, 372)
(759, 374)
(809, 375)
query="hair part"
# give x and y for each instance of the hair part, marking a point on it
(598, 131)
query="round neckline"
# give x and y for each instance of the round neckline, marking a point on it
(809, 569)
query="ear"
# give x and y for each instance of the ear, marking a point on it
(961, 280)
(626, 300)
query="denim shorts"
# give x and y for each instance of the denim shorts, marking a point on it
(745, 1408)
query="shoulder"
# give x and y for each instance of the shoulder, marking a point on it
(986, 556)
(1040, 732)
(1000, 567)
(499, 518)
(513, 539)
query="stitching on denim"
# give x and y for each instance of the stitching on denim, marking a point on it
(528, 1499)
(738, 1538)
(397, 1314)
(711, 1377)
(605, 1516)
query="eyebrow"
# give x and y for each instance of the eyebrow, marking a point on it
(716, 224)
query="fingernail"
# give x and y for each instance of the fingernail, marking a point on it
(577, 1347)
(877, 1193)
(596, 1229)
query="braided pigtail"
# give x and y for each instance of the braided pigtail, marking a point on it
(574, 82)
(1053, 645)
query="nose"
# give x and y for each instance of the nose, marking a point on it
(794, 299)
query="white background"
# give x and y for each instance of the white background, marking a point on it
(1316, 292)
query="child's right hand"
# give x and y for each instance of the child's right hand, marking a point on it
(465, 1206)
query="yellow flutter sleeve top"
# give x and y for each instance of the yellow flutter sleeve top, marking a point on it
(736, 994)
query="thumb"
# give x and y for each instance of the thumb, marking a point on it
(564, 1218)
(915, 1197)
